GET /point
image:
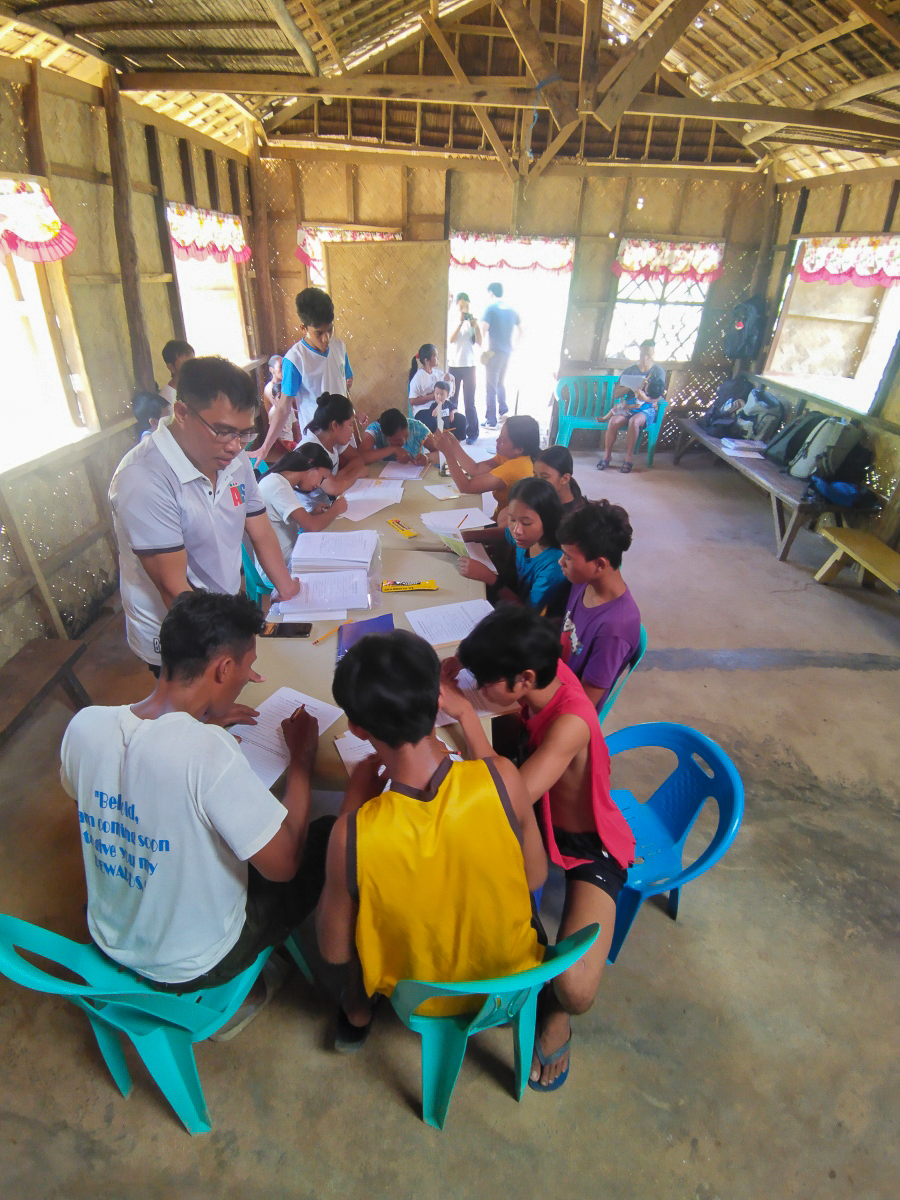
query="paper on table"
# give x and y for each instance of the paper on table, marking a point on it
(329, 551)
(326, 591)
(380, 487)
(449, 520)
(447, 623)
(488, 505)
(309, 614)
(263, 744)
(467, 549)
(359, 508)
(352, 750)
(736, 453)
(395, 470)
(442, 491)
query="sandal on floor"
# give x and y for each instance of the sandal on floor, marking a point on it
(602, 464)
(274, 975)
(535, 1084)
(626, 468)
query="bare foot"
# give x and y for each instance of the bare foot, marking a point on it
(554, 1034)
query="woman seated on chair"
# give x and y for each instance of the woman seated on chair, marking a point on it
(636, 408)
(514, 656)
(293, 496)
(397, 439)
(518, 444)
(602, 628)
(430, 391)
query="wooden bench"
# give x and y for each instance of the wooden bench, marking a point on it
(31, 674)
(789, 510)
(877, 560)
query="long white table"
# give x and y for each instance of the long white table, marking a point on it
(297, 663)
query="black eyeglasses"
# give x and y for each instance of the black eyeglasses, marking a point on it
(224, 436)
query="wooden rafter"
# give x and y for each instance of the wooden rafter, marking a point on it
(866, 87)
(318, 24)
(278, 10)
(591, 35)
(479, 110)
(538, 61)
(40, 25)
(876, 16)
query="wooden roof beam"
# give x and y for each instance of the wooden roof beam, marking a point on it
(855, 91)
(886, 26)
(40, 25)
(591, 38)
(324, 33)
(538, 61)
(622, 84)
(278, 10)
(198, 26)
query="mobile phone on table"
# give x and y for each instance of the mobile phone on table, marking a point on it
(287, 629)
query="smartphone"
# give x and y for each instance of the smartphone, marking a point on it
(287, 629)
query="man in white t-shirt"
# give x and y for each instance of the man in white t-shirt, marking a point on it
(315, 364)
(192, 866)
(183, 498)
(174, 354)
(464, 335)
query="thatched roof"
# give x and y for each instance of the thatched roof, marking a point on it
(736, 83)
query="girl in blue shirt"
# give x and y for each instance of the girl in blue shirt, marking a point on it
(394, 436)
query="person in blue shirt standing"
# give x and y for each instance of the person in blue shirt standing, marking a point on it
(502, 326)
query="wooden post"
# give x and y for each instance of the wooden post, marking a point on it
(154, 163)
(265, 303)
(142, 360)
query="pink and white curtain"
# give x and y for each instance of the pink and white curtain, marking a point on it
(199, 233)
(863, 261)
(29, 224)
(646, 258)
(513, 253)
(311, 239)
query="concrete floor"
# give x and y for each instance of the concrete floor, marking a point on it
(746, 1051)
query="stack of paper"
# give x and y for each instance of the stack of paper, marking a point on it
(331, 592)
(444, 624)
(334, 551)
(442, 491)
(450, 520)
(395, 470)
(369, 496)
(263, 744)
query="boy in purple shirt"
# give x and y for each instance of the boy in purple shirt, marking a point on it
(602, 628)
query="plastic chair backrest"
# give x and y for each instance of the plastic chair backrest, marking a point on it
(584, 396)
(616, 688)
(254, 585)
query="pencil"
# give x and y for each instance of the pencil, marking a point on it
(462, 522)
(329, 632)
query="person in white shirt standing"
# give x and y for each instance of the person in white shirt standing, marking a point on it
(174, 354)
(192, 866)
(463, 336)
(182, 500)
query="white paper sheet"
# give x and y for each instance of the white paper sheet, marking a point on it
(442, 491)
(445, 624)
(352, 749)
(334, 551)
(466, 681)
(472, 550)
(395, 470)
(488, 506)
(360, 508)
(263, 744)
(327, 591)
(376, 487)
(741, 453)
(449, 520)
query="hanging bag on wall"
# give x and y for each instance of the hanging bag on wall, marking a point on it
(743, 335)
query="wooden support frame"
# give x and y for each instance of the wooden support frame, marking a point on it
(589, 70)
(265, 303)
(154, 162)
(538, 61)
(886, 26)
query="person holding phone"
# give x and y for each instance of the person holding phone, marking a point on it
(463, 336)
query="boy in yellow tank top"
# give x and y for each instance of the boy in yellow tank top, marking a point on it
(430, 877)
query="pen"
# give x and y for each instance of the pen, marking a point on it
(331, 631)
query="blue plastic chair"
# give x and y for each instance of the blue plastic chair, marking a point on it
(662, 824)
(650, 431)
(512, 1000)
(254, 584)
(583, 402)
(623, 677)
(162, 1026)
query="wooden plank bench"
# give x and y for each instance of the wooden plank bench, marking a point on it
(31, 674)
(789, 510)
(877, 560)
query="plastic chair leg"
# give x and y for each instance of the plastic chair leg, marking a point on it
(169, 1057)
(293, 948)
(443, 1049)
(672, 906)
(110, 1043)
(524, 1025)
(626, 910)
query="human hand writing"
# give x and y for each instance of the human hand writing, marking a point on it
(340, 506)
(301, 733)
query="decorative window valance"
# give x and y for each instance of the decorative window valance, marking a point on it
(642, 258)
(311, 238)
(863, 261)
(29, 224)
(513, 253)
(200, 233)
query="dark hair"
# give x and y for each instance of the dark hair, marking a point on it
(425, 351)
(512, 639)
(525, 433)
(648, 344)
(599, 530)
(559, 459)
(389, 684)
(331, 407)
(495, 289)
(392, 420)
(174, 349)
(305, 458)
(315, 307)
(147, 407)
(202, 379)
(462, 296)
(443, 385)
(200, 625)
(273, 359)
(542, 497)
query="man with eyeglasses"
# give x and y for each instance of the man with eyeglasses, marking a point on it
(182, 500)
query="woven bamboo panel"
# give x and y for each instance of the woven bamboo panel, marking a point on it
(549, 207)
(136, 145)
(737, 269)
(867, 206)
(822, 209)
(276, 174)
(705, 208)
(578, 340)
(592, 277)
(10, 567)
(143, 216)
(225, 204)
(390, 297)
(284, 291)
(201, 180)
(173, 184)
(101, 138)
(12, 135)
(324, 191)
(79, 204)
(788, 210)
(100, 319)
(749, 213)
(378, 197)
(158, 323)
(283, 243)
(21, 622)
(778, 259)
(602, 206)
(80, 588)
(425, 191)
(480, 201)
(54, 507)
(653, 205)
(69, 130)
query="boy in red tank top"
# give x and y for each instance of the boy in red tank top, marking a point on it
(514, 656)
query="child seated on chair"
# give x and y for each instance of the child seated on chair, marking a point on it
(636, 406)
(429, 877)
(601, 631)
(514, 656)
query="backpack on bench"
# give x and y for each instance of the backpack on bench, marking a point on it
(722, 419)
(786, 445)
(825, 449)
(761, 416)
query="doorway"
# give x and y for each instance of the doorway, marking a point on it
(536, 274)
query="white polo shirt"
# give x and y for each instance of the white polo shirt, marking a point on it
(161, 501)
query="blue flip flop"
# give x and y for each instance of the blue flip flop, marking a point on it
(535, 1084)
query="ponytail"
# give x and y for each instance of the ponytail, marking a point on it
(425, 351)
(331, 408)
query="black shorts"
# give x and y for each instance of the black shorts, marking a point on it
(602, 871)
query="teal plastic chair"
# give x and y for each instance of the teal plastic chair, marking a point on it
(661, 825)
(583, 401)
(162, 1026)
(650, 431)
(623, 678)
(254, 584)
(512, 1000)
